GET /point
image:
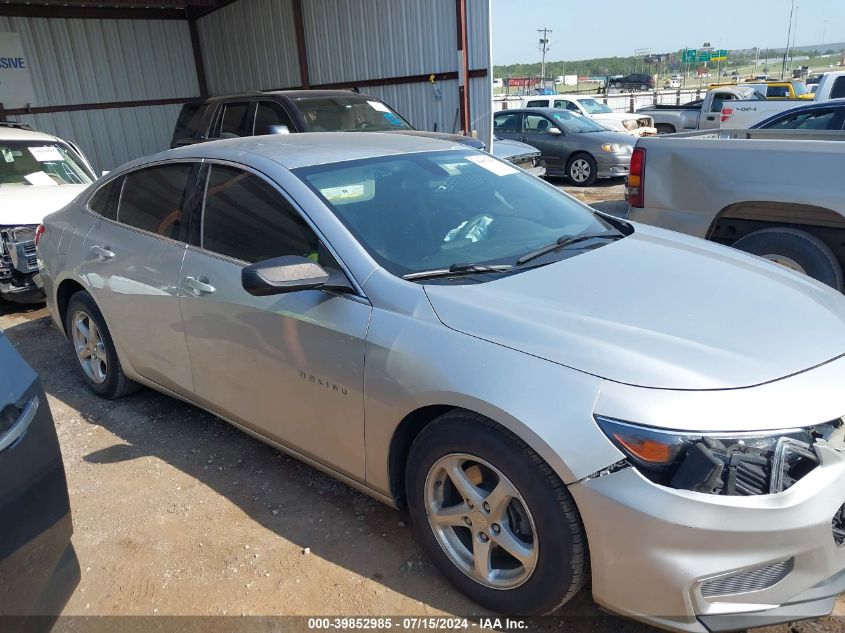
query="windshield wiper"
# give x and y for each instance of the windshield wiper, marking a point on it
(458, 269)
(564, 241)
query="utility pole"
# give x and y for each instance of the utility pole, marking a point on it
(788, 39)
(544, 48)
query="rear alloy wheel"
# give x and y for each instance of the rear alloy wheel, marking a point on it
(581, 170)
(493, 517)
(94, 348)
(797, 250)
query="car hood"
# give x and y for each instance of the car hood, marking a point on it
(656, 310)
(28, 204)
(505, 148)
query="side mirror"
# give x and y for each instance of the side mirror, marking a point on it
(280, 275)
(278, 129)
(555, 131)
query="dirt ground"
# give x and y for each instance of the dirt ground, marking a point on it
(177, 513)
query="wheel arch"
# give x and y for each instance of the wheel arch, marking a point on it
(64, 291)
(417, 420)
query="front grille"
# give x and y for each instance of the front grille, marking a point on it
(751, 580)
(839, 526)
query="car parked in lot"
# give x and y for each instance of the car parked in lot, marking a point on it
(289, 111)
(551, 392)
(588, 106)
(774, 192)
(39, 174)
(38, 565)
(632, 82)
(827, 115)
(571, 145)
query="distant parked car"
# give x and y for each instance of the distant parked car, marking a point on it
(571, 145)
(38, 565)
(520, 154)
(825, 115)
(601, 113)
(632, 82)
(290, 111)
(39, 174)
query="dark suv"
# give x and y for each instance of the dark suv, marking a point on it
(288, 111)
(634, 81)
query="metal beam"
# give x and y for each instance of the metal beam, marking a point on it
(302, 53)
(89, 13)
(463, 66)
(199, 62)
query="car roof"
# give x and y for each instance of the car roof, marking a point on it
(314, 148)
(809, 107)
(18, 134)
(290, 94)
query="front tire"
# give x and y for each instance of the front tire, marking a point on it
(581, 170)
(494, 517)
(94, 349)
(797, 250)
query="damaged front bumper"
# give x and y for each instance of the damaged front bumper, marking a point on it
(19, 265)
(696, 562)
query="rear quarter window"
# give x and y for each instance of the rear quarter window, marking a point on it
(190, 122)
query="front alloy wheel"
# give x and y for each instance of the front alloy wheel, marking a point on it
(481, 521)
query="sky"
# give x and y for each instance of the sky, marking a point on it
(609, 28)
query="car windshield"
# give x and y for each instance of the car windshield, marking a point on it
(349, 114)
(800, 87)
(39, 163)
(575, 124)
(594, 107)
(419, 212)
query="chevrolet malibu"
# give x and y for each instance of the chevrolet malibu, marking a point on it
(556, 396)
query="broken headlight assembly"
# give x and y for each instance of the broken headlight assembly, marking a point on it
(719, 463)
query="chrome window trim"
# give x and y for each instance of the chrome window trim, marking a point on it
(359, 292)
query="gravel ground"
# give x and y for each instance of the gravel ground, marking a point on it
(177, 513)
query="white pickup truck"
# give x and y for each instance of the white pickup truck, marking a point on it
(745, 114)
(773, 193)
(702, 114)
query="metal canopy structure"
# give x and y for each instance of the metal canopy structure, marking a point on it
(112, 74)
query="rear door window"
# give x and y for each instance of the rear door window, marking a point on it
(508, 122)
(233, 120)
(268, 114)
(152, 199)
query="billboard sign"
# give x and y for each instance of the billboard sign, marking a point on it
(16, 90)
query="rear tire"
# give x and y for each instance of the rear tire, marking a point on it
(664, 128)
(94, 349)
(797, 250)
(538, 519)
(581, 170)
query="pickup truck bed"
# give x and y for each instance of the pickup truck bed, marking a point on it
(773, 193)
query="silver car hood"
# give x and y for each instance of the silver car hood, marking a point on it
(656, 309)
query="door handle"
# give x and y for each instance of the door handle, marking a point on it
(201, 287)
(25, 418)
(711, 118)
(102, 252)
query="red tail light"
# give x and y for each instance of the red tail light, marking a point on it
(635, 185)
(727, 113)
(38, 233)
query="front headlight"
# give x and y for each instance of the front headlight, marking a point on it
(719, 463)
(616, 148)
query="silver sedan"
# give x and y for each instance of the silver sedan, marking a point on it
(554, 395)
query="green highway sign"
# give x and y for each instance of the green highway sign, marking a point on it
(705, 56)
(719, 56)
(688, 56)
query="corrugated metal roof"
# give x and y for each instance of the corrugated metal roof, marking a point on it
(250, 46)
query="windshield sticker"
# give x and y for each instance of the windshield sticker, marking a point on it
(45, 153)
(39, 178)
(378, 105)
(492, 165)
(7, 156)
(392, 118)
(344, 193)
